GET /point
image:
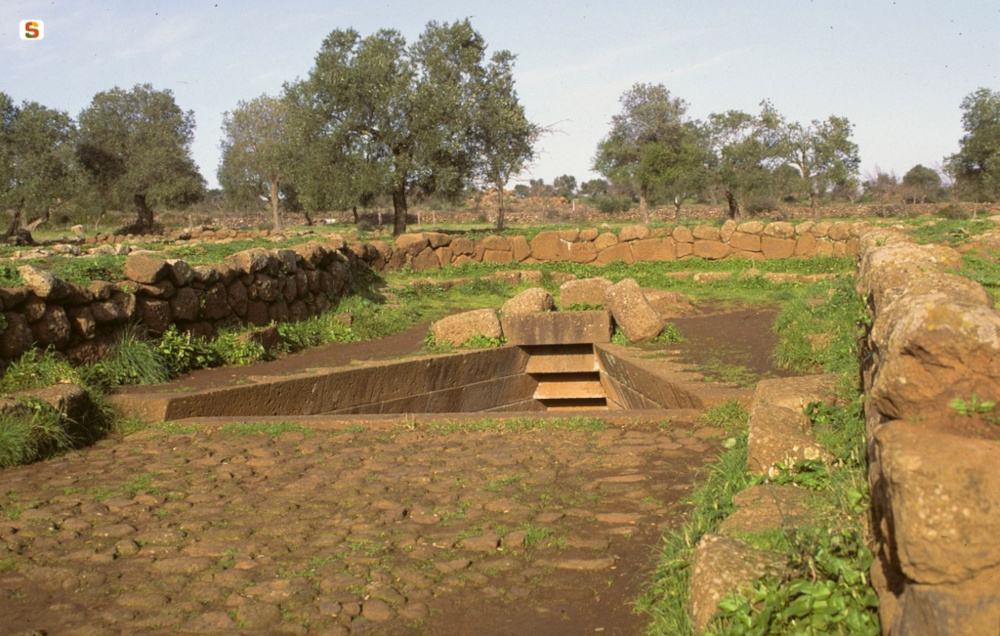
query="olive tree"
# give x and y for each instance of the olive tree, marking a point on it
(379, 116)
(135, 146)
(648, 144)
(746, 148)
(36, 161)
(976, 166)
(256, 151)
(822, 152)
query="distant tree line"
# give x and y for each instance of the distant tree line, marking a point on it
(380, 119)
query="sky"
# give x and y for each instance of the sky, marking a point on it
(898, 70)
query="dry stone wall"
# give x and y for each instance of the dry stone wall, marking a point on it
(934, 338)
(753, 240)
(253, 287)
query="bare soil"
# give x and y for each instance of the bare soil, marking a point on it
(382, 529)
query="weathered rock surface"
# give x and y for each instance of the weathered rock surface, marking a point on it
(530, 300)
(632, 312)
(722, 565)
(459, 328)
(780, 435)
(583, 292)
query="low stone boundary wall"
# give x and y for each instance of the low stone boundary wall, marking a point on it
(934, 339)
(254, 287)
(635, 243)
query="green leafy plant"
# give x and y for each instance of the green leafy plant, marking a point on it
(812, 474)
(479, 341)
(237, 350)
(972, 406)
(827, 592)
(182, 352)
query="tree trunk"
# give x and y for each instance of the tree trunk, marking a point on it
(144, 216)
(643, 210)
(735, 206)
(500, 210)
(354, 211)
(399, 210)
(678, 201)
(31, 227)
(15, 224)
(279, 223)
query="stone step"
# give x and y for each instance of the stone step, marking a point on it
(565, 406)
(562, 362)
(568, 386)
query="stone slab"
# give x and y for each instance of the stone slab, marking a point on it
(558, 327)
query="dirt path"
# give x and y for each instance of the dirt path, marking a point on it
(381, 531)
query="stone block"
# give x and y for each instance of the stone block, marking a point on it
(632, 312)
(143, 268)
(805, 245)
(743, 241)
(633, 233)
(682, 234)
(779, 229)
(652, 250)
(722, 565)
(618, 252)
(519, 247)
(549, 246)
(605, 240)
(585, 291)
(939, 494)
(584, 252)
(458, 328)
(711, 250)
(530, 300)
(558, 327)
(780, 435)
(796, 393)
(425, 260)
(773, 247)
(706, 233)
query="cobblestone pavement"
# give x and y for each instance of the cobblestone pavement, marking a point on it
(392, 529)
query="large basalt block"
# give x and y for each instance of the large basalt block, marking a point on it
(632, 312)
(780, 435)
(939, 498)
(557, 327)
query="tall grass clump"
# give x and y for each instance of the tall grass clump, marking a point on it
(132, 359)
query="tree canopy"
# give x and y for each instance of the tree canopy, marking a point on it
(745, 149)
(822, 152)
(649, 142)
(135, 145)
(36, 159)
(976, 166)
(256, 151)
(921, 182)
(376, 115)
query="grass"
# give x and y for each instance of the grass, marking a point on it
(824, 336)
(272, 429)
(826, 589)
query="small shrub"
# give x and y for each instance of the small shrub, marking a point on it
(953, 212)
(238, 351)
(182, 353)
(612, 204)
